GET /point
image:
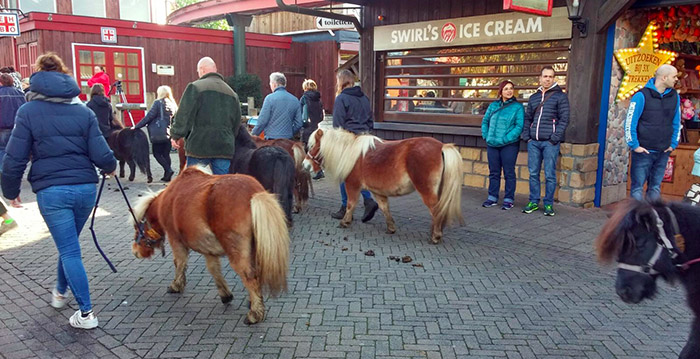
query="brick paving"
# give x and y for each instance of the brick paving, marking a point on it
(506, 285)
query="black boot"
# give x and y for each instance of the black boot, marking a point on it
(340, 214)
(371, 208)
(167, 176)
(319, 175)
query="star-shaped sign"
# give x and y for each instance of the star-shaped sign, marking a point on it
(640, 63)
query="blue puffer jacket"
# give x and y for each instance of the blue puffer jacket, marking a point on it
(59, 133)
(10, 101)
(503, 123)
(546, 122)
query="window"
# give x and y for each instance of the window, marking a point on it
(455, 86)
(38, 5)
(136, 10)
(94, 8)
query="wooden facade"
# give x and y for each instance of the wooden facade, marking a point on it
(281, 22)
(583, 80)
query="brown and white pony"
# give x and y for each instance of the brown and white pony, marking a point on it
(390, 169)
(225, 215)
(303, 185)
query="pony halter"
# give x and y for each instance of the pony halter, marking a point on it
(663, 244)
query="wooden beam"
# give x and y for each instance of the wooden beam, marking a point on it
(609, 12)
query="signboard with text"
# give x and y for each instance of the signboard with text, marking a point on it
(109, 35)
(537, 7)
(487, 29)
(323, 23)
(9, 24)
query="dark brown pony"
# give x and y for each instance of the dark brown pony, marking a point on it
(652, 240)
(302, 185)
(390, 169)
(130, 146)
(224, 215)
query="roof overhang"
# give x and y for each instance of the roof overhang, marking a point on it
(217, 9)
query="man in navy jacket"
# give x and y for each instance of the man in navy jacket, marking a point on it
(10, 100)
(546, 118)
(652, 129)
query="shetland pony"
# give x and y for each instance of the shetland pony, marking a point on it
(271, 166)
(652, 240)
(389, 169)
(225, 215)
(303, 185)
(130, 146)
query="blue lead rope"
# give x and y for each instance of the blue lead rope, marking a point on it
(92, 222)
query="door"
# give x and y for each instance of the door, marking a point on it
(123, 64)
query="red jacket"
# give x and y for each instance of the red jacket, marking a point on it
(100, 78)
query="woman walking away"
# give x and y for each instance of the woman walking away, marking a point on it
(501, 128)
(64, 142)
(100, 105)
(353, 113)
(158, 122)
(312, 113)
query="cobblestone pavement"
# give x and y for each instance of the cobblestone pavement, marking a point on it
(506, 285)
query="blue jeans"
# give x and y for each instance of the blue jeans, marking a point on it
(502, 158)
(219, 166)
(344, 194)
(65, 209)
(538, 152)
(4, 139)
(650, 168)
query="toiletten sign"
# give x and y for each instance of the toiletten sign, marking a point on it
(487, 29)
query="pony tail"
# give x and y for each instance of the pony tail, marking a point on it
(449, 207)
(271, 242)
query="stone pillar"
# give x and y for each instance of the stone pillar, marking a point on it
(577, 174)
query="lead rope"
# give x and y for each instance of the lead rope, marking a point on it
(92, 224)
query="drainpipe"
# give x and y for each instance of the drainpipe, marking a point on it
(239, 23)
(312, 12)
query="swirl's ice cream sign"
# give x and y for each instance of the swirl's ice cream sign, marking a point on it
(487, 29)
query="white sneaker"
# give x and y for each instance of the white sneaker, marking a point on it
(58, 300)
(78, 321)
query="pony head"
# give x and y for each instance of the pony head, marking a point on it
(633, 236)
(337, 151)
(146, 237)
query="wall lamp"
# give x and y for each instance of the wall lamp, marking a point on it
(575, 10)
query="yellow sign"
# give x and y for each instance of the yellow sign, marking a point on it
(641, 62)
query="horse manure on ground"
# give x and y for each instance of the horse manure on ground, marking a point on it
(418, 265)
(369, 253)
(406, 259)
(394, 258)
(345, 238)
(344, 249)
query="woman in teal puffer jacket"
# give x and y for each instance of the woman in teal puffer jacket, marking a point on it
(501, 128)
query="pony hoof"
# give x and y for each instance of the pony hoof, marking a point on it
(227, 299)
(390, 231)
(121, 175)
(344, 224)
(435, 240)
(173, 290)
(149, 180)
(131, 179)
(251, 319)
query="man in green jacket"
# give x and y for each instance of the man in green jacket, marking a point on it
(208, 119)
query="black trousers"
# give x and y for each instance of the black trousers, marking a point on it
(161, 151)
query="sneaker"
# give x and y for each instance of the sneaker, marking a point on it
(488, 203)
(319, 175)
(58, 300)
(531, 207)
(7, 226)
(507, 206)
(548, 210)
(79, 321)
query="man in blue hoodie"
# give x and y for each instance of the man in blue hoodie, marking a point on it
(10, 100)
(652, 129)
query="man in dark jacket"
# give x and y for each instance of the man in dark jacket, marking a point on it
(208, 119)
(100, 105)
(10, 101)
(652, 129)
(546, 118)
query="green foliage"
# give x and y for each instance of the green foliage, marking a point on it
(246, 85)
(215, 25)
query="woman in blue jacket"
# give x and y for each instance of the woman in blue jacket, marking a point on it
(158, 121)
(501, 128)
(64, 142)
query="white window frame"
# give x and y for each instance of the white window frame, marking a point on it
(55, 6)
(104, 8)
(150, 15)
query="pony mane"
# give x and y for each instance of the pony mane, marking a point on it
(616, 234)
(244, 139)
(341, 149)
(142, 205)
